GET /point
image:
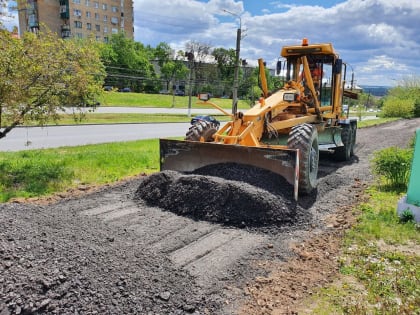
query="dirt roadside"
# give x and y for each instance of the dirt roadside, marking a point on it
(107, 253)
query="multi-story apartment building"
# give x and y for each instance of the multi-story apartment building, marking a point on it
(78, 18)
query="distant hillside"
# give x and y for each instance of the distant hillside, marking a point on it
(375, 90)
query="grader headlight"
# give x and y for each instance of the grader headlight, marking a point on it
(289, 97)
(204, 97)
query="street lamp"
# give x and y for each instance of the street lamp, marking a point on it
(236, 73)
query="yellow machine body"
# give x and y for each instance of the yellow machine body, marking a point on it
(253, 137)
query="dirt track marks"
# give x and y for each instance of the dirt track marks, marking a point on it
(206, 250)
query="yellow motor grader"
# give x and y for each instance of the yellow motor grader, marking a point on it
(284, 131)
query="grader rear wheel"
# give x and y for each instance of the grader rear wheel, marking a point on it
(353, 137)
(305, 138)
(345, 152)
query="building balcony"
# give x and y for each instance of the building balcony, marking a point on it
(65, 31)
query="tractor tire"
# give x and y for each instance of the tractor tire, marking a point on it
(305, 138)
(201, 129)
(344, 153)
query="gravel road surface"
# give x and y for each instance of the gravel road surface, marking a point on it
(126, 249)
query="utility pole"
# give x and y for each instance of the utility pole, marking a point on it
(236, 73)
(190, 57)
(237, 61)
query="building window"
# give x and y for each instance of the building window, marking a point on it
(96, 16)
(96, 5)
(114, 9)
(79, 35)
(89, 26)
(77, 12)
(105, 29)
(77, 24)
(105, 18)
(114, 30)
(87, 2)
(114, 20)
(88, 14)
(106, 40)
(104, 6)
(97, 27)
(76, 1)
(98, 38)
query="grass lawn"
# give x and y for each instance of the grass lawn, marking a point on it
(119, 99)
(374, 122)
(41, 172)
(379, 264)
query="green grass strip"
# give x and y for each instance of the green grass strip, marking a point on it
(379, 265)
(117, 99)
(42, 172)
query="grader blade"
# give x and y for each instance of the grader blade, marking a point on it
(187, 156)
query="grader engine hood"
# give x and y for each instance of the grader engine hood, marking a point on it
(188, 156)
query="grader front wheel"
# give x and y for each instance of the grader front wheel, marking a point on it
(305, 138)
(201, 129)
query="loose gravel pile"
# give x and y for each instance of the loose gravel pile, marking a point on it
(54, 262)
(231, 194)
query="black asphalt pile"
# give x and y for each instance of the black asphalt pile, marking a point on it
(233, 195)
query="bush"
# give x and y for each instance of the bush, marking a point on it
(396, 107)
(394, 165)
(406, 216)
(416, 111)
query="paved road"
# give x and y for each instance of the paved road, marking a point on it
(27, 138)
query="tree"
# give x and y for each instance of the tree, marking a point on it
(41, 74)
(225, 59)
(163, 53)
(174, 70)
(128, 63)
(197, 55)
(171, 67)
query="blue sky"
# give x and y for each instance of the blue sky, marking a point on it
(265, 7)
(380, 39)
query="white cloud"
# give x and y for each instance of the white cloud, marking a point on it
(374, 36)
(380, 62)
(382, 69)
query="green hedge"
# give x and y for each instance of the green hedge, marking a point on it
(393, 164)
(396, 107)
